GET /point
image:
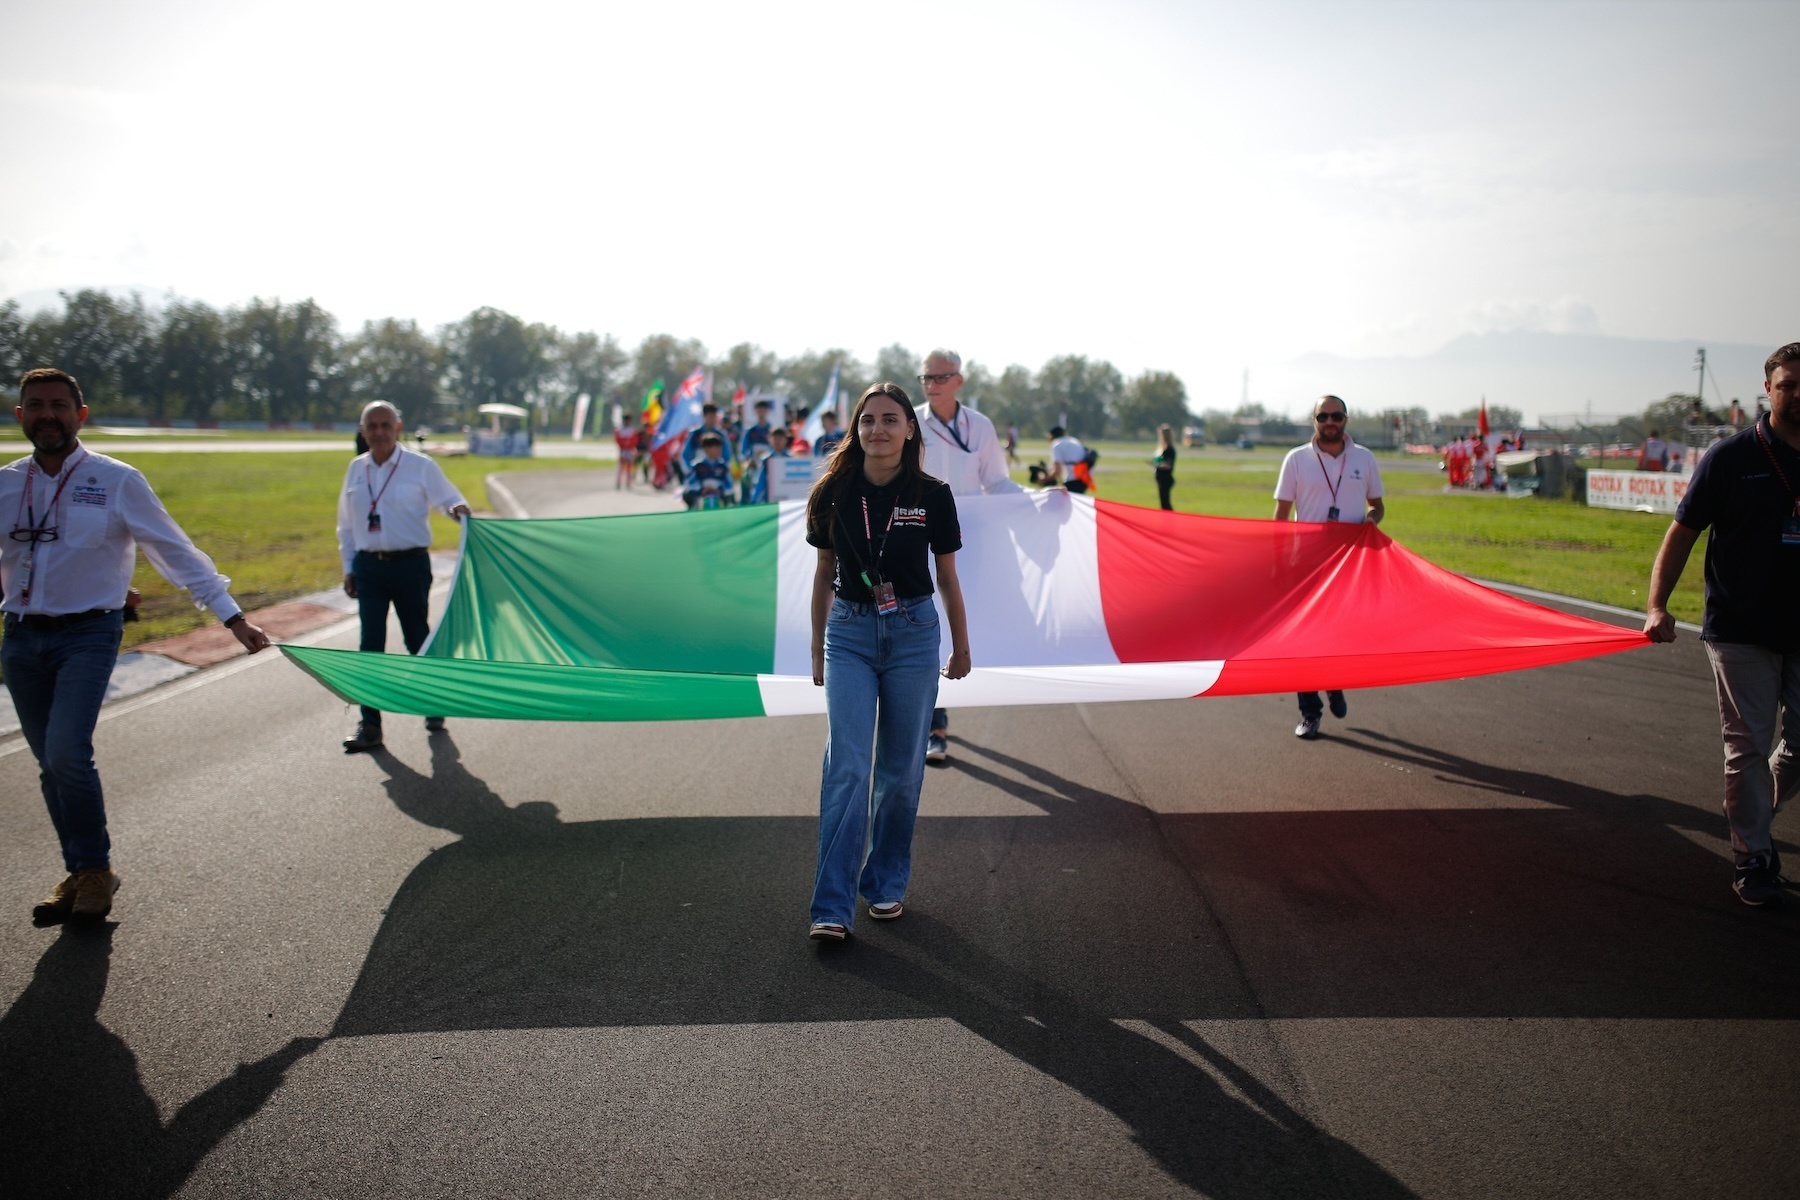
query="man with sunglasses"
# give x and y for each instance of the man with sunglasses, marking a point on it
(1331, 478)
(78, 520)
(962, 449)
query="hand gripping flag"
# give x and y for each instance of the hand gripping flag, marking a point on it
(1070, 600)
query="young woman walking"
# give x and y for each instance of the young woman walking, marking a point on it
(876, 518)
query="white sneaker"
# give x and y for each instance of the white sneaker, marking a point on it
(937, 748)
(886, 912)
(826, 932)
(1308, 728)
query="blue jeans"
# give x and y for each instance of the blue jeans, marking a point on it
(880, 682)
(58, 682)
(406, 584)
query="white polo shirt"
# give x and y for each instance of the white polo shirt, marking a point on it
(964, 452)
(105, 513)
(1316, 482)
(409, 485)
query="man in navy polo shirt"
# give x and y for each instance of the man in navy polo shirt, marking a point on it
(1747, 491)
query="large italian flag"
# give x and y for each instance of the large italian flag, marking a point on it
(1071, 600)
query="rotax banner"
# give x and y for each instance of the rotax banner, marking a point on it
(1642, 491)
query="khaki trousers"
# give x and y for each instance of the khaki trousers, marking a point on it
(1759, 696)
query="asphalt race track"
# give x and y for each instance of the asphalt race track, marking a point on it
(1478, 941)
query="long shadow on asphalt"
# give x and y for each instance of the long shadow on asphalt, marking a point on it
(1081, 940)
(75, 1116)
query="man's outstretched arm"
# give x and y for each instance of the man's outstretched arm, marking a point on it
(1677, 544)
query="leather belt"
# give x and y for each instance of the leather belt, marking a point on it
(51, 623)
(384, 555)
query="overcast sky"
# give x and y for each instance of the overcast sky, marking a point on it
(1190, 186)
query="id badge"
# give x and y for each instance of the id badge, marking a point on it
(25, 581)
(374, 522)
(885, 604)
(1331, 514)
(1790, 530)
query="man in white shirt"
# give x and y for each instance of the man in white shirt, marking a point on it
(79, 519)
(962, 449)
(1331, 478)
(1066, 453)
(384, 536)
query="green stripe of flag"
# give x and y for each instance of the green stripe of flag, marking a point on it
(671, 592)
(526, 691)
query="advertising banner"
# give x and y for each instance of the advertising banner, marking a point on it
(1641, 491)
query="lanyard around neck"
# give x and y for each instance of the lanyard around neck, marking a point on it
(1343, 462)
(1779, 473)
(951, 426)
(31, 521)
(369, 479)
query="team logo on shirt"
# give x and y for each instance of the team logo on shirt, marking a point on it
(83, 494)
(909, 516)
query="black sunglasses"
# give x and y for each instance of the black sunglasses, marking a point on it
(24, 533)
(1328, 416)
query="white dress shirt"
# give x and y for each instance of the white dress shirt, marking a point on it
(414, 484)
(1068, 451)
(1317, 482)
(969, 472)
(105, 513)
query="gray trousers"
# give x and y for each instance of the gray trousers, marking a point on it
(1759, 697)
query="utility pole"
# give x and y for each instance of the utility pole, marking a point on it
(1700, 366)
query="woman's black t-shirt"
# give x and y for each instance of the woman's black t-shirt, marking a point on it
(923, 525)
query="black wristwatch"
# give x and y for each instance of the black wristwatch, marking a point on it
(233, 619)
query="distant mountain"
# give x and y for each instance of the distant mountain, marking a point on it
(1541, 373)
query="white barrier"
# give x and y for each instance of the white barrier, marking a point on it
(1640, 491)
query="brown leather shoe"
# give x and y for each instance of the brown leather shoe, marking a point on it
(366, 737)
(93, 894)
(55, 907)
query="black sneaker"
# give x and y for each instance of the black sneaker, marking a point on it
(1339, 709)
(937, 748)
(1757, 882)
(366, 737)
(434, 724)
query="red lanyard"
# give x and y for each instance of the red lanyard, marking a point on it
(369, 479)
(31, 521)
(1779, 473)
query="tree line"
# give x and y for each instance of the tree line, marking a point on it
(290, 363)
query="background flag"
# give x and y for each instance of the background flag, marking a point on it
(809, 433)
(684, 408)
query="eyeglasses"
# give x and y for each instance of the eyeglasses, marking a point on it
(1328, 417)
(24, 533)
(937, 378)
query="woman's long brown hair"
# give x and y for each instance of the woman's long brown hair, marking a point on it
(846, 463)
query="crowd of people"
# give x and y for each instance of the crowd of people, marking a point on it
(722, 461)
